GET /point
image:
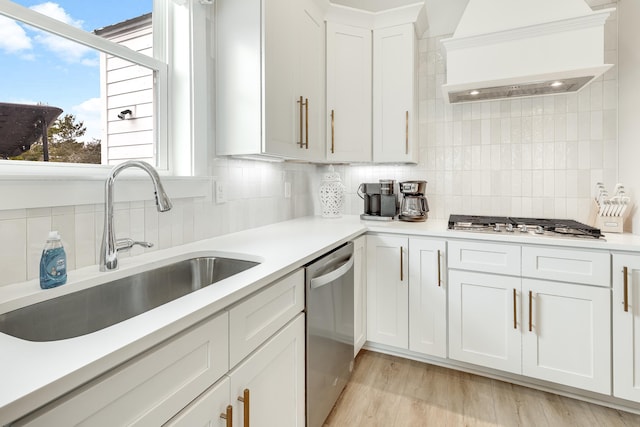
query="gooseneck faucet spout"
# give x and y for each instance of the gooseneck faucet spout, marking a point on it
(110, 246)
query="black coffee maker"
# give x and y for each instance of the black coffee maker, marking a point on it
(380, 201)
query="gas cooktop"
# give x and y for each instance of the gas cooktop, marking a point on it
(524, 226)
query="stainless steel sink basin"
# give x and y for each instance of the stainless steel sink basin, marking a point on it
(92, 309)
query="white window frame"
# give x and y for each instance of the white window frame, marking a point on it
(180, 62)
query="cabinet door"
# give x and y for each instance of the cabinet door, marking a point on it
(484, 320)
(207, 410)
(626, 326)
(387, 291)
(394, 113)
(310, 36)
(273, 378)
(254, 320)
(150, 388)
(348, 93)
(567, 334)
(427, 297)
(359, 293)
(281, 110)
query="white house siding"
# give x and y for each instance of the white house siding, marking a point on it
(127, 86)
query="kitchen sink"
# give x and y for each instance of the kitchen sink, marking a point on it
(95, 308)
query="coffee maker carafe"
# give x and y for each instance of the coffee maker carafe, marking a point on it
(380, 201)
(414, 205)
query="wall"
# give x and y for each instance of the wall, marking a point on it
(255, 193)
(538, 156)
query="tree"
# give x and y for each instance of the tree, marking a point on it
(64, 146)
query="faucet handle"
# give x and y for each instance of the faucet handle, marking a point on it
(127, 243)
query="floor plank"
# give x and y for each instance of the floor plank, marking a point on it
(394, 392)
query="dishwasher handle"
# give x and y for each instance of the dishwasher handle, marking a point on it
(318, 282)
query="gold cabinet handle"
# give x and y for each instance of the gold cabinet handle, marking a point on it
(625, 272)
(228, 416)
(401, 264)
(333, 145)
(439, 271)
(306, 122)
(245, 399)
(301, 102)
(530, 312)
(406, 142)
(515, 313)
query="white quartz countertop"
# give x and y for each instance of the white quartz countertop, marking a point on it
(34, 373)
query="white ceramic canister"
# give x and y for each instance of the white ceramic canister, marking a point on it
(331, 194)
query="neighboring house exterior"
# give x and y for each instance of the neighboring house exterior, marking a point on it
(126, 86)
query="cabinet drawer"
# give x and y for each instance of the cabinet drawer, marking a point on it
(253, 321)
(567, 265)
(484, 257)
(149, 389)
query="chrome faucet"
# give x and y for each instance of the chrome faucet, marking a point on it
(110, 246)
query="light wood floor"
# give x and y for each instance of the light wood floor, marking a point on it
(392, 392)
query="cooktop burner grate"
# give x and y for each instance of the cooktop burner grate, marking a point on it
(540, 226)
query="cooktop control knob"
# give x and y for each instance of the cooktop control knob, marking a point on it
(496, 227)
(510, 228)
(539, 230)
(523, 228)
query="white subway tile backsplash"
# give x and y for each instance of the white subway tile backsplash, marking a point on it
(84, 223)
(13, 256)
(38, 228)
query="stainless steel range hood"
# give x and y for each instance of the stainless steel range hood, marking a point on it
(510, 49)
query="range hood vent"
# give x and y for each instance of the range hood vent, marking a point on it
(510, 49)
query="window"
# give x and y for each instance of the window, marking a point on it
(103, 64)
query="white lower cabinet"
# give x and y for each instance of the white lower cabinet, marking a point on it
(484, 328)
(189, 379)
(388, 290)
(253, 321)
(427, 297)
(549, 330)
(273, 380)
(626, 326)
(267, 389)
(210, 409)
(567, 334)
(149, 389)
(406, 293)
(359, 293)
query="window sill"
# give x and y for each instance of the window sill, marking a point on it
(68, 185)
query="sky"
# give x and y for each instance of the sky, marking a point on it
(36, 67)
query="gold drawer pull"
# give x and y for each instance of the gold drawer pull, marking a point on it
(333, 144)
(530, 311)
(439, 270)
(406, 142)
(245, 399)
(228, 416)
(515, 313)
(401, 264)
(625, 272)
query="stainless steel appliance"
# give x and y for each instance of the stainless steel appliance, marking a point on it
(380, 201)
(524, 226)
(329, 356)
(414, 206)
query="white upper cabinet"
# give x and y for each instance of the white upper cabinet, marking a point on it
(395, 115)
(270, 78)
(348, 114)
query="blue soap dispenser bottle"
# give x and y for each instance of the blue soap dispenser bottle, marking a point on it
(53, 263)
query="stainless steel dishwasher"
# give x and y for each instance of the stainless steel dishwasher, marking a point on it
(329, 302)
